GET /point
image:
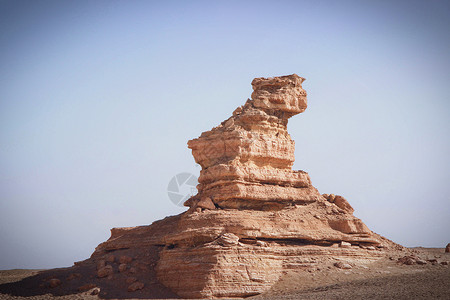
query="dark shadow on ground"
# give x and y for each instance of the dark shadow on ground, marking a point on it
(85, 273)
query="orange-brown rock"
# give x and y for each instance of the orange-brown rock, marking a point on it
(54, 282)
(123, 267)
(246, 161)
(125, 259)
(340, 202)
(206, 203)
(135, 286)
(282, 93)
(253, 217)
(105, 271)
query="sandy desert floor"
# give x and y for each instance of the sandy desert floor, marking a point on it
(384, 279)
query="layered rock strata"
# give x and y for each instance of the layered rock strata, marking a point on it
(246, 161)
(253, 217)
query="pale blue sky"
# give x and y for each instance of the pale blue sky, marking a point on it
(98, 100)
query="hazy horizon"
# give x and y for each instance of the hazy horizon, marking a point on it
(99, 98)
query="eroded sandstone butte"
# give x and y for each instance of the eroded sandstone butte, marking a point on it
(253, 217)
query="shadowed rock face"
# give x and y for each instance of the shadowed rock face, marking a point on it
(252, 219)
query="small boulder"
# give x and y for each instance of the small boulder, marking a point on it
(122, 268)
(345, 245)
(95, 291)
(342, 265)
(447, 249)
(206, 203)
(105, 271)
(54, 282)
(135, 286)
(407, 260)
(331, 198)
(444, 263)
(125, 259)
(228, 239)
(342, 203)
(262, 244)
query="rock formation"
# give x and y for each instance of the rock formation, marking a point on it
(252, 219)
(246, 161)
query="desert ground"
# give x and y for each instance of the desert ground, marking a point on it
(384, 279)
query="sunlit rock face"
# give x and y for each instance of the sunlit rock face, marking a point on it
(246, 160)
(253, 217)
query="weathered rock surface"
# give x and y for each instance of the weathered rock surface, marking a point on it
(342, 265)
(253, 217)
(408, 260)
(246, 161)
